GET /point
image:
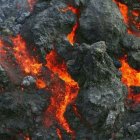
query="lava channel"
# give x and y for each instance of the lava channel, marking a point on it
(61, 97)
(130, 77)
(130, 17)
(72, 35)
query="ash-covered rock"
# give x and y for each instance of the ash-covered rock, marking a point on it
(101, 20)
(12, 14)
(4, 79)
(134, 59)
(45, 27)
(28, 81)
(131, 123)
(101, 98)
(131, 44)
(20, 112)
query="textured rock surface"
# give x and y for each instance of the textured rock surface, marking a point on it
(20, 113)
(54, 24)
(101, 114)
(134, 59)
(131, 44)
(98, 22)
(99, 103)
(4, 80)
(12, 15)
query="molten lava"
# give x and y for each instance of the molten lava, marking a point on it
(27, 63)
(63, 88)
(124, 10)
(31, 3)
(130, 77)
(59, 133)
(61, 98)
(71, 36)
(131, 18)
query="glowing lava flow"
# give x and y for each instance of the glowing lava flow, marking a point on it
(31, 3)
(59, 133)
(130, 77)
(71, 35)
(27, 63)
(123, 9)
(61, 99)
(131, 18)
(63, 94)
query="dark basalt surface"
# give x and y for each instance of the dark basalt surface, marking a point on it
(104, 111)
(98, 22)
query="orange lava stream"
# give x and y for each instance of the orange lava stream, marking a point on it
(59, 133)
(130, 77)
(130, 17)
(61, 99)
(123, 9)
(71, 35)
(26, 62)
(31, 3)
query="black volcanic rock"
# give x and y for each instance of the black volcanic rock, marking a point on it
(12, 14)
(45, 27)
(134, 59)
(101, 98)
(4, 79)
(20, 112)
(131, 43)
(101, 20)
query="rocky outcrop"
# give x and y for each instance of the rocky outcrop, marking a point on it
(101, 20)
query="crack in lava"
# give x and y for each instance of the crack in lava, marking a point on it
(130, 76)
(61, 99)
(72, 35)
(63, 88)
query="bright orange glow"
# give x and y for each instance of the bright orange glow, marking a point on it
(63, 95)
(27, 63)
(59, 133)
(131, 17)
(72, 34)
(40, 84)
(130, 77)
(31, 3)
(123, 9)
(71, 8)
